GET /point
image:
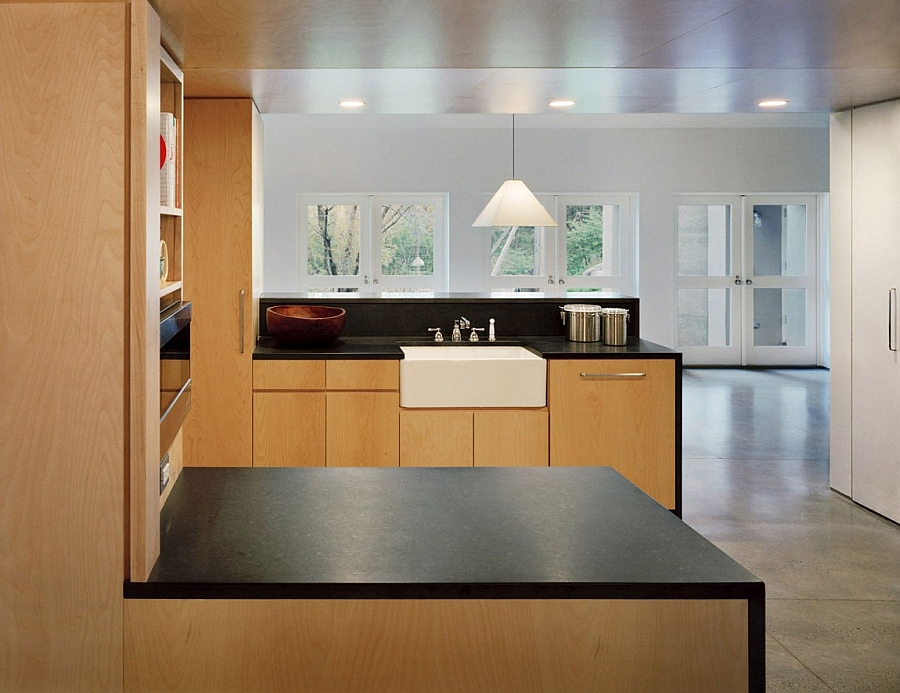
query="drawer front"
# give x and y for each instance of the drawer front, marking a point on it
(618, 413)
(289, 375)
(353, 374)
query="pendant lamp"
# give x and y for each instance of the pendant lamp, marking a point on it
(514, 204)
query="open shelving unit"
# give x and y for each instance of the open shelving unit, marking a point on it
(171, 220)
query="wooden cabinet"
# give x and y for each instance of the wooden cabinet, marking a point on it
(288, 429)
(511, 437)
(436, 438)
(616, 412)
(339, 413)
(222, 260)
(362, 429)
(480, 437)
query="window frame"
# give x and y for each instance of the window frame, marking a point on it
(555, 278)
(370, 279)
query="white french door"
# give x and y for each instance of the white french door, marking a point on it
(746, 287)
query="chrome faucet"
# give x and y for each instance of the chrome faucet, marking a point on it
(463, 323)
(474, 336)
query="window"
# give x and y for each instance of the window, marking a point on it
(372, 243)
(590, 250)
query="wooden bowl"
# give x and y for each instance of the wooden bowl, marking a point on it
(296, 325)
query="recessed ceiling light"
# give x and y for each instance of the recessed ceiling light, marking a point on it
(353, 103)
(561, 103)
(772, 103)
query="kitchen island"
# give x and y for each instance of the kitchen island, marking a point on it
(410, 579)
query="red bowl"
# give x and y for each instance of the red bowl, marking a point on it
(297, 325)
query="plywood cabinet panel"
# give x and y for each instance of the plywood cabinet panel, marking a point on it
(289, 429)
(619, 413)
(222, 139)
(353, 374)
(511, 438)
(500, 645)
(362, 429)
(66, 347)
(436, 438)
(289, 375)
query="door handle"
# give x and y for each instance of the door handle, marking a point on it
(748, 282)
(241, 318)
(892, 319)
(612, 376)
(737, 279)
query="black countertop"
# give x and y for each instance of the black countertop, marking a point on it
(348, 533)
(548, 347)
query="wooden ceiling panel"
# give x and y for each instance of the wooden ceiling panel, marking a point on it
(502, 56)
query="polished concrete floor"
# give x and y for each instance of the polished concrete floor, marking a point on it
(756, 484)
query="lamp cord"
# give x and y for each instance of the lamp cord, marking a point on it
(514, 146)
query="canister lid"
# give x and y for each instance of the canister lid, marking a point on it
(581, 308)
(615, 311)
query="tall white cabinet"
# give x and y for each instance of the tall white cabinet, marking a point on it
(865, 257)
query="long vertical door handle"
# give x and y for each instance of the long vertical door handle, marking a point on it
(241, 315)
(892, 319)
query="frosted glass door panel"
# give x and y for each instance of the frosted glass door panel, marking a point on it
(704, 317)
(779, 241)
(704, 240)
(779, 317)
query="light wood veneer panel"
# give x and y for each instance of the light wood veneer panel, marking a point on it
(220, 142)
(627, 424)
(289, 429)
(289, 375)
(63, 351)
(399, 646)
(352, 374)
(435, 438)
(362, 429)
(512, 438)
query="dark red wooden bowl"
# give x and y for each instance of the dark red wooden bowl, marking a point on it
(295, 325)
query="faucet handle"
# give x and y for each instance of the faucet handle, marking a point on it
(464, 323)
(473, 337)
(438, 337)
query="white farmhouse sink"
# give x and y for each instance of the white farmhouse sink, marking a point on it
(472, 376)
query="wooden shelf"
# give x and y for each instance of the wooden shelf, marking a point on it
(169, 288)
(171, 211)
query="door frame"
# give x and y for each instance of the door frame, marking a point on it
(740, 351)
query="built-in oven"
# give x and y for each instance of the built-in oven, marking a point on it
(174, 371)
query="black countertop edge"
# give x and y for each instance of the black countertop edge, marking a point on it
(389, 348)
(448, 297)
(753, 591)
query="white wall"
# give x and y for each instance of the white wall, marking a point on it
(468, 156)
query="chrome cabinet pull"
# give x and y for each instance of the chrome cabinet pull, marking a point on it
(241, 315)
(612, 376)
(892, 319)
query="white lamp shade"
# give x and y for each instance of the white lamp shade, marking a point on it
(514, 205)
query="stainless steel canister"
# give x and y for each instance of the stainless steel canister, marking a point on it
(614, 326)
(582, 322)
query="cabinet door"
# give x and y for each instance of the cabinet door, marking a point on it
(362, 429)
(288, 429)
(221, 141)
(876, 272)
(511, 438)
(618, 413)
(435, 438)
